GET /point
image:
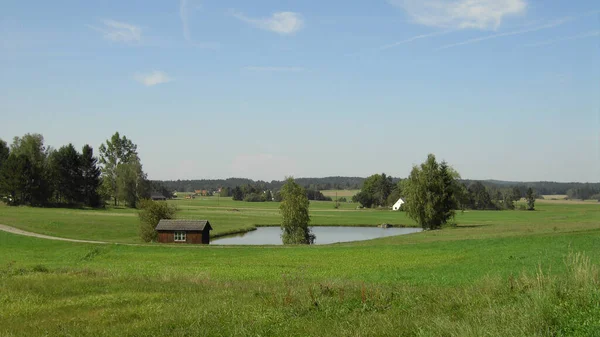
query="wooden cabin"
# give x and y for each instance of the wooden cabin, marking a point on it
(184, 231)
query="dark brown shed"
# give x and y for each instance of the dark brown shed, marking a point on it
(184, 231)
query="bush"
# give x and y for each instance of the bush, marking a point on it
(151, 212)
(254, 197)
(343, 199)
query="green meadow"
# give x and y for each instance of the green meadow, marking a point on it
(497, 273)
(227, 216)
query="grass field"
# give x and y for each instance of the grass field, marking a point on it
(508, 273)
(340, 193)
(555, 197)
(227, 216)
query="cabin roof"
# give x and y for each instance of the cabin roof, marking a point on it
(183, 225)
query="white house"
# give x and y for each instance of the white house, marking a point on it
(398, 204)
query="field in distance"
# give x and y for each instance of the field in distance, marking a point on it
(340, 193)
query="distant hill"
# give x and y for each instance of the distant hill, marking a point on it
(354, 183)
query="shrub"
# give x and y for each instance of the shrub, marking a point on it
(254, 197)
(151, 212)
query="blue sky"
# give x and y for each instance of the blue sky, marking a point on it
(503, 89)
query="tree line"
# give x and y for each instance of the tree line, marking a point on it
(572, 190)
(379, 190)
(259, 193)
(318, 184)
(32, 173)
(36, 175)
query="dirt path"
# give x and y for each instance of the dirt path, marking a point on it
(42, 236)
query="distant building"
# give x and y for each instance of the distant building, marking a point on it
(157, 196)
(184, 231)
(398, 204)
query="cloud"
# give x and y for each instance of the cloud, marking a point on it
(284, 23)
(153, 78)
(275, 69)
(461, 14)
(568, 38)
(511, 33)
(183, 14)
(119, 31)
(414, 38)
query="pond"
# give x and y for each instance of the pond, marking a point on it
(325, 235)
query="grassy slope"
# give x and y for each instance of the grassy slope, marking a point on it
(226, 216)
(498, 273)
(419, 284)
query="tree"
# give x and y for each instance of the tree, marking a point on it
(32, 146)
(479, 197)
(14, 179)
(450, 188)
(117, 150)
(363, 198)
(90, 174)
(151, 212)
(268, 196)
(277, 196)
(508, 200)
(237, 194)
(375, 191)
(429, 192)
(4, 152)
(65, 167)
(225, 192)
(132, 184)
(516, 194)
(294, 212)
(38, 175)
(530, 196)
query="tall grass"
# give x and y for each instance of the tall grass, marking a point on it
(64, 301)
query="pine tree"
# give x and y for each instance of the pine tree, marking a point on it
(90, 174)
(14, 176)
(530, 199)
(66, 172)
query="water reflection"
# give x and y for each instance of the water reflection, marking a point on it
(325, 235)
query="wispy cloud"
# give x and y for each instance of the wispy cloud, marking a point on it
(186, 8)
(274, 69)
(586, 35)
(552, 24)
(183, 14)
(119, 31)
(284, 23)
(461, 14)
(153, 78)
(414, 38)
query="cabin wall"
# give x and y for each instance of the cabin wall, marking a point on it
(166, 237)
(193, 237)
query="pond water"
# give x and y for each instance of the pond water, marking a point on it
(325, 235)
